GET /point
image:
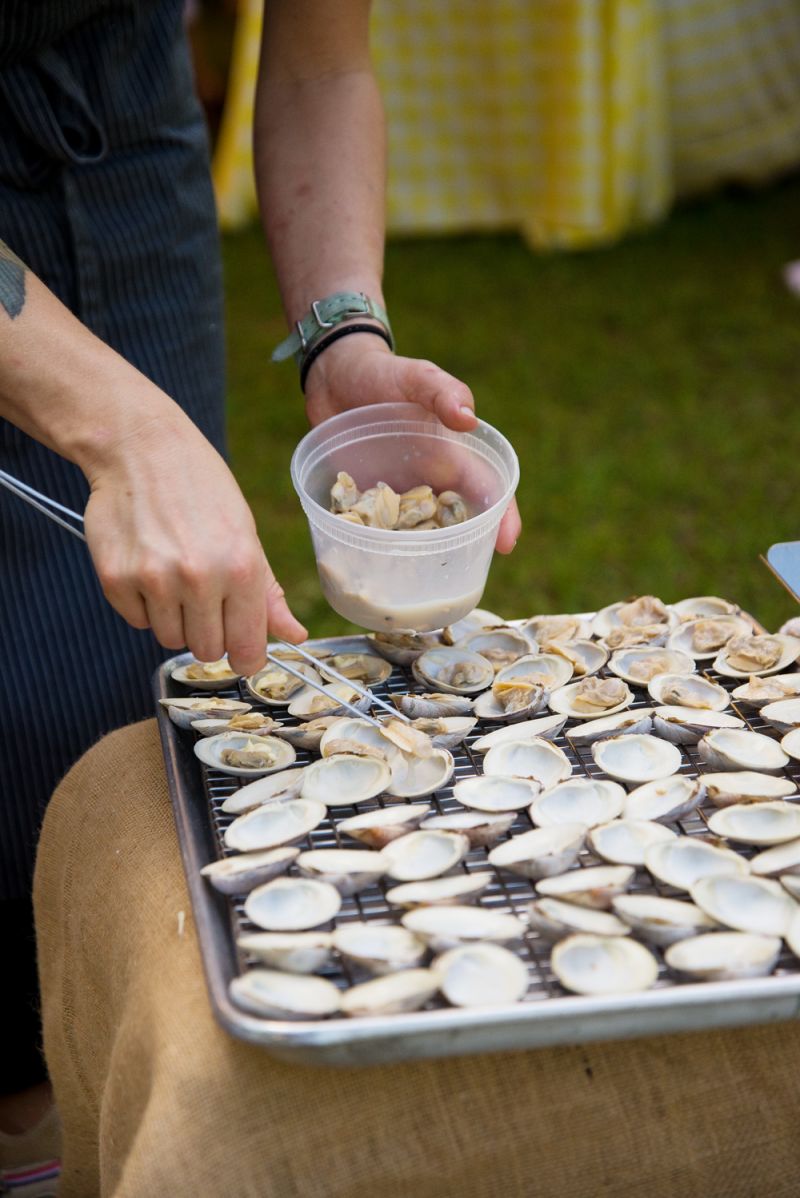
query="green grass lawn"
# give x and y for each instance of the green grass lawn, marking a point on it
(651, 391)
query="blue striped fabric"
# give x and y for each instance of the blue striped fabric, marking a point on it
(105, 194)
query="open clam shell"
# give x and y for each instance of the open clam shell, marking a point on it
(378, 828)
(347, 730)
(252, 723)
(757, 692)
(587, 964)
(562, 629)
(205, 675)
(307, 704)
(723, 956)
(453, 670)
(545, 728)
(403, 647)
(665, 800)
(685, 725)
(746, 786)
(240, 874)
(638, 721)
(345, 780)
(585, 657)
(635, 759)
(697, 606)
(274, 788)
(790, 882)
(542, 852)
(446, 732)
(482, 829)
(473, 621)
(480, 975)
(639, 666)
(662, 921)
(274, 824)
(407, 990)
(768, 823)
(593, 887)
(589, 801)
(706, 636)
(734, 749)
(746, 904)
(757, 656)
(538, 760)
(446, 927)
(688, 690)
(413, 776)
(292, 904)
(783, 715)
(294, 952)
(778, 862)
(592, 698)
(553, 919)
(455, 888)
(682, 861)
(421, 855)
(626, 841)
(185, 711)
(379, 948)
(432, 705)
(307, 735)
(520, 690)
(267, 753)
(278, 995)
(642, 611)
(275, 686)
(349, 870)
(790, 743)
(494, 794)
(366, 668)
(501, 646)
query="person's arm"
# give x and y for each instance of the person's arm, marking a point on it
(171, 536)
(320, 168)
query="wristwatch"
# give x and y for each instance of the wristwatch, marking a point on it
(323, 316)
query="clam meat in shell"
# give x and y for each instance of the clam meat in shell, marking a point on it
(243, 755)
(205, 675)
(453, 670)
(591, 698)
(688, 690)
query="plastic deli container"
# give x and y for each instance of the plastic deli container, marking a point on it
(386, 580)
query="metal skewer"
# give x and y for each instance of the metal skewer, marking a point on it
(45, 505)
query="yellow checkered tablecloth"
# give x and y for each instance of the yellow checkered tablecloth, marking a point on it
(573, 121)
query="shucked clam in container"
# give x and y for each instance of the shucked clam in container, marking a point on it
(386, 579)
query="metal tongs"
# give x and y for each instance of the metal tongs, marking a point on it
(50, 508)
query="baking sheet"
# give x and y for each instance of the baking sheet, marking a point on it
(547, 1016)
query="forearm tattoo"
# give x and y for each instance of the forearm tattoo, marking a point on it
(12, 281)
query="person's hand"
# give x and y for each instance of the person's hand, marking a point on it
(360, 369)
(175, 547)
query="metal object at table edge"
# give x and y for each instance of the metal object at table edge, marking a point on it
(573, 1019)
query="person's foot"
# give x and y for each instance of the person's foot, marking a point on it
(29, 1159)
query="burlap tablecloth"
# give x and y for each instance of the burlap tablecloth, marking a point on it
(158, 1102)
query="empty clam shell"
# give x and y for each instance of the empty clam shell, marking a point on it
(542, 852)
(481, 829)
(783, 715)
(495, 793)
(446, 927)
(640, 666)
(424, 855)
(733, 749)
(238, 875)
(688, 690)
(275, 686)
(746, 904)
(292, 904)
(413, 776)
(685, 725)
(472, 622)
(790, 881)
(588, 964)
(244, 756)
(626, 841)
(757, 656)
(757, 692)
(453, 670)
(184, 712)
(378, 828)
(746, 786)
(274, 824)
(205, 675)
(379, 948)
(591, 698)
(309, 703)
(349, 870)
(719, 956)
(545, 728)
(407, 990)
(633, 721)
(345, 779)
(588, 801)
(274, 788)
(480, 975)
(284, 995)
(790, 743)
(778, 862)
(356, 734)
(553, 919)
(432, 706)
(704, 605)
(455, 888)
(635, 759)
(683, 861)
(704, 637)
(662, 921)
(665, 800)
(500, 646)
(295, 952)
(768, 823)
(538, 760)
(593, 887)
